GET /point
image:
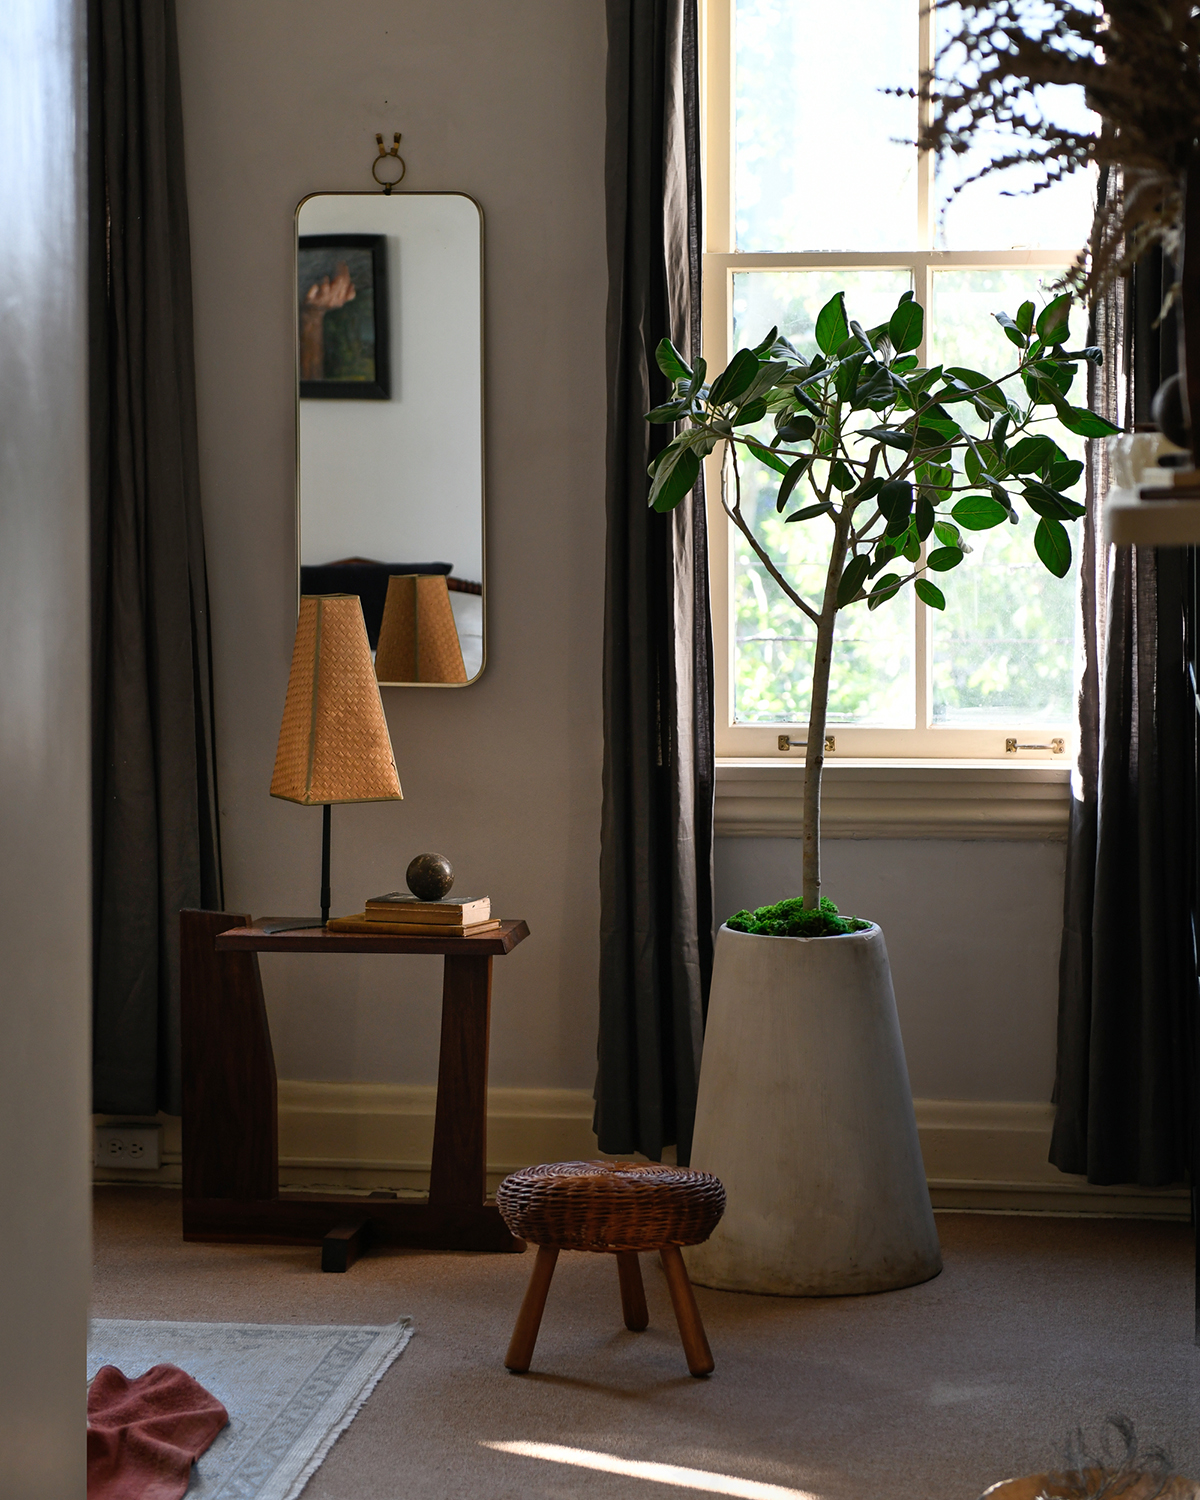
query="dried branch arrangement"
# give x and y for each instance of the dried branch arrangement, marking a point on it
(1138, 62)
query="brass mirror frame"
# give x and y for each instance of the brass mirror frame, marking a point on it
(417, 193)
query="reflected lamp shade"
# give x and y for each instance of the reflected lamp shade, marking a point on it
(333, 743)
(418, 639)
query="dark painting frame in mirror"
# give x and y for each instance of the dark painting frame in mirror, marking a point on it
(342, 317)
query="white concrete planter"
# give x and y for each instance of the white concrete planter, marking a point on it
(805, 1114)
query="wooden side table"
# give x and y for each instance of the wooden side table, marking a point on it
(230, 1114)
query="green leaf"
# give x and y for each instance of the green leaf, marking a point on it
(737, 378)
(766, 377)
(944, 430)
(1086, 423)
(1065, 473)
(852, 579)
(671, 362)
(857, 330)
(906, 326)
(1046, 502)
(895, 501)
(796, 428)
(1054, 323)
(764, 455)
(845, 380)
(753, 411)
(1025, 318)
(983, 387)
(1029, 454)
(924, 517)
(878, 390)
(825, 508)
(903, 363)
(936, 480)
(767, 343)
(942, 559)
(674, 477)
(842, 478)
(806, 400)
(912, 546)
(884, 588)
(979, 512)
(1011, 329)
(1053, 546)
(891, 437)
(886, 551)
(671, 412)
(832, 328)
(793, 476)
(948, 535)
(869, 488)
(929, 593)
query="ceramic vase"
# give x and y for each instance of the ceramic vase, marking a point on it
(805, 1114)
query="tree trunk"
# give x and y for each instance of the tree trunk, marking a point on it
(814, 764)
(814, 751)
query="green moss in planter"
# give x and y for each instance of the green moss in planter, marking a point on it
(789, 919)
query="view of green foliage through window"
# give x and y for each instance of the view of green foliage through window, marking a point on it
(822, 166)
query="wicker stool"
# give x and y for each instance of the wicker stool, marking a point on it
(620, 1208)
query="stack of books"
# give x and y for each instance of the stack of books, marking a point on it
(398, 912)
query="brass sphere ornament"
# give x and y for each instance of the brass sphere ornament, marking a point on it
(430, 877)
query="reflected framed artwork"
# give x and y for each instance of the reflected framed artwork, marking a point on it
(342, 317)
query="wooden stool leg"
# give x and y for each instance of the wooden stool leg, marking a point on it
(529, 1319)
(633, 1293)
(687, 1314)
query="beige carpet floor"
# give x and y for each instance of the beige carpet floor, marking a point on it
(1035, 1326)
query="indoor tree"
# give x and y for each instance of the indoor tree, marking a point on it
(866, 443)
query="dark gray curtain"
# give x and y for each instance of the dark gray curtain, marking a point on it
(656, 851)
(1127, 976)
(155, 846)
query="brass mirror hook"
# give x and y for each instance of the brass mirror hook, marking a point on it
(386, 152)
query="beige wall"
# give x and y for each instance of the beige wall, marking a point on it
(505, 102)
(973, 930)
(44, 758)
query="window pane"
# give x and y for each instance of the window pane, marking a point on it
(871, 681)
(1004, 648)
(791, 300)
(819, 159)
(999, 212)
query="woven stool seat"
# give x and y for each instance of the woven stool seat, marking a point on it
(619, 1208)
(604, 1205)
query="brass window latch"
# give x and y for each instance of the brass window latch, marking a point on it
(1055, 746)
(786, 742)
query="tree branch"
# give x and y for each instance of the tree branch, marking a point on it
(735, 515)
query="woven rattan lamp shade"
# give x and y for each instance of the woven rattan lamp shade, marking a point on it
(333, 744)
(418, 639)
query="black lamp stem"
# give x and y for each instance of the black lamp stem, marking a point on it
(325, 893)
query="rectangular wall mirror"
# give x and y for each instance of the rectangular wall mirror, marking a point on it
(389, 381)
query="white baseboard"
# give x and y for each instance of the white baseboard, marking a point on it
(987, 1156)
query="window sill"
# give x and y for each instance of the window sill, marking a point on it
(901, 799)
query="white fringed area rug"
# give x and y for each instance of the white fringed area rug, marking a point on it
(290, 1391)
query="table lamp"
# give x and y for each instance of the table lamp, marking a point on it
(418, 639)
(333, 742)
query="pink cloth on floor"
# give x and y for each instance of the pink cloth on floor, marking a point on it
(145, 1434)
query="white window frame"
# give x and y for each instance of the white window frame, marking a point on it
(923, 744)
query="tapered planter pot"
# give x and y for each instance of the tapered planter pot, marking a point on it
(805, 1114)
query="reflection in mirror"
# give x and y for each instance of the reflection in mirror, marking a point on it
(389, 340)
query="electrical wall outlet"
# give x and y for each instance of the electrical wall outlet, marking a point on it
(131, 1144)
